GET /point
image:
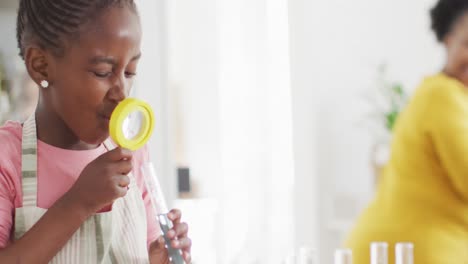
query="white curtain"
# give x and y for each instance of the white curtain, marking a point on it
(230, 81)
(256, 131)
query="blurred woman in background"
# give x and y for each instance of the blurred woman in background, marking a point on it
(423, 196)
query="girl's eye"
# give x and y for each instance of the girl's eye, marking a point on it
(130, 74)
(102, 74)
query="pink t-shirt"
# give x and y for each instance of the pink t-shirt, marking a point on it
(58, 169)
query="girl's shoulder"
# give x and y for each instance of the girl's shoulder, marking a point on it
(10, 141)
(10, 156)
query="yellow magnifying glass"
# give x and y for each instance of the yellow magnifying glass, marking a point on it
(131, 124)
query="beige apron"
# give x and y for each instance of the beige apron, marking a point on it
(118, 236)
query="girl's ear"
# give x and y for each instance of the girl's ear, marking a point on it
(38, 64)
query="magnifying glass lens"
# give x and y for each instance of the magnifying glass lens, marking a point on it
(133, 125)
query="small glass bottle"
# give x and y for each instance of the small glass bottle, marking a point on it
(343, 256)
(404, 253)
(379, 253)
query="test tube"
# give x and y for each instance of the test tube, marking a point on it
(404, 253)
(379, 253)
(343, 256)
(160, 208)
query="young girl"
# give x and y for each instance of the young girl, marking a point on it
(67, 195)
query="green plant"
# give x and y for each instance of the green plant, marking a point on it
(386, 99)
(397, 100)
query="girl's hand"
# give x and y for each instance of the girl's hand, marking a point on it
(103, 181)
(179, 240)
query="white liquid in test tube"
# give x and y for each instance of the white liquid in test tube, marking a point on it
(379, 253)
(160, 207)
(343, 256)
(404, 253)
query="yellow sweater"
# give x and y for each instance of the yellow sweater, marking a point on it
(423, 196)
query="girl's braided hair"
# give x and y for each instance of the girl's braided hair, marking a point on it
(50, 22)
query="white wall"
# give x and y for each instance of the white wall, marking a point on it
(9, 48)
(8, 29)
(336, 47)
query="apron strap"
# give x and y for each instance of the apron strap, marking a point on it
(109, 145)
(29, 162)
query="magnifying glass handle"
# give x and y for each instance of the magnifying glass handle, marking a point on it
(175, 255)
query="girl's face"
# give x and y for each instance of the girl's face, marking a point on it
(457, 50)
(95, 73)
